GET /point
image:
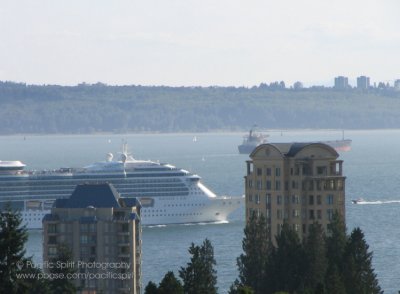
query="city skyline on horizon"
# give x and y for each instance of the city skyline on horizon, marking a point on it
(227, 43)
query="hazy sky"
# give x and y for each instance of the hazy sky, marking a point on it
(204, 42)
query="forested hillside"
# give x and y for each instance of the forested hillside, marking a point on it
(102, 108)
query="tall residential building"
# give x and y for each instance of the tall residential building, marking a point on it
(363, 83)
(295, 183)
(103, 232)
(341, 83)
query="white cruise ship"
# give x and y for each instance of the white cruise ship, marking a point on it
(168, 195)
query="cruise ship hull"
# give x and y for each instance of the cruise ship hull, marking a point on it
(168, 195)
(165, 213)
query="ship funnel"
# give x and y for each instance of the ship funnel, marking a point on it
(109, 157)
(124, 157)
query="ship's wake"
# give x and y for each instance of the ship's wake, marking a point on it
(364, 202)
(189, 224)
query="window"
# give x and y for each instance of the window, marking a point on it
(268, 213)
(277, 185)
(268, 198)
(295, 199)
(319, 214)
(259, 172)
(321, 170)
(259, 185)
(268, 185)
(250, 183)
(268, 171)
(250, 198)
(52, 251)
(319, 202)
(279, 214)
(332, 185)
(279, 199)
(329, 199)
(278, 171)
(52, 240)
(311, 214)
(329, 213)
(310, 200)
(52, 228)
(257, 198)
(84, 239)
(339, 185)
(296, 213)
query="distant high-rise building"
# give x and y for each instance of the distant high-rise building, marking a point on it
(100, 228)
(295, 183)
(363, 83)
(341, 83)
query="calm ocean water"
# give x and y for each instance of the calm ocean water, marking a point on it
(371, 167)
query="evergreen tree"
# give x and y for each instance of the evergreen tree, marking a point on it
(64, 256)
(199, 276)
(335, 247)
(256, 250)
(13, 236)
(334, 282)
(151, 288)
(286, 261)
(316, 262)
(359, 274)
(170, 284)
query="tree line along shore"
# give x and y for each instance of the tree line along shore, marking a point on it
(95, 108)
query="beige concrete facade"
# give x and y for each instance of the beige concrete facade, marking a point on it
(104, 241)
(295, 183)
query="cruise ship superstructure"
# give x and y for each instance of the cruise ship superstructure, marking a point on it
(168, 195)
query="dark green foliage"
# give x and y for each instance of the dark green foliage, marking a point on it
(64, 256)
(151, 288)
(359, 274)
(199, 276)
(287, 260)
(256, 250)
(170, 284)
(101, 108)
(12, 261)
(335, 247)
(334, 281)
(316, 262)
(336, 264)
